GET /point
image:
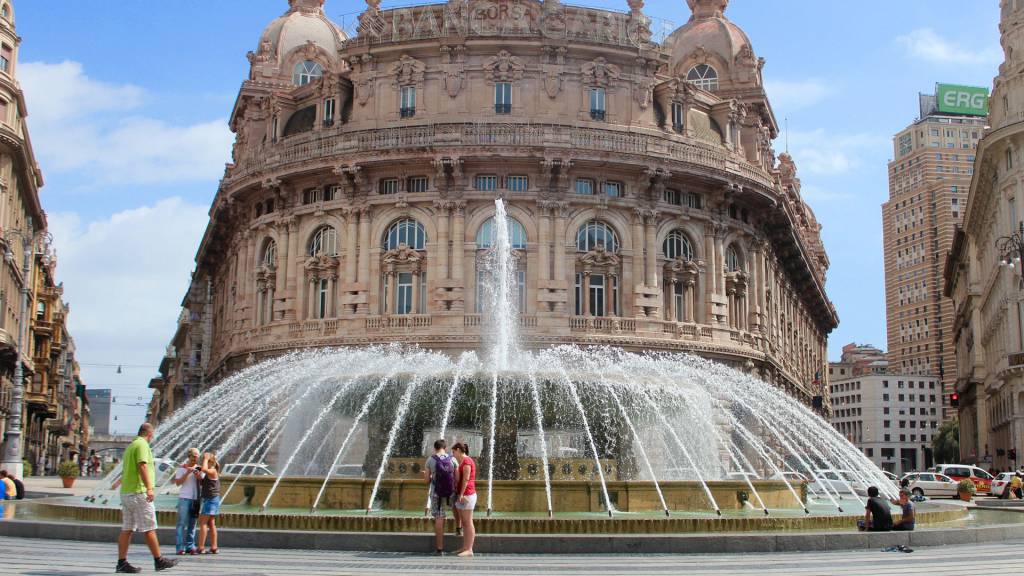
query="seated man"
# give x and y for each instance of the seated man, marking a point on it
(906, 523)
(877, 517)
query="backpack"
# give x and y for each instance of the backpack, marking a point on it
(444, 476)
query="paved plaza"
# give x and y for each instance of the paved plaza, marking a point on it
(43, 557)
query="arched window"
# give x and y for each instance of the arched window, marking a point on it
(704, 77)
(306, 72)
(406, 231)
(596, 233)
(270, 253)
(5, 12)
(677, 246)
(732, 260)
(516, 234)
(324, 242)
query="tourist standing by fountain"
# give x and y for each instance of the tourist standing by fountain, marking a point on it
(209, 488)
(138, 514)
(439, 473)
(187, 477)
(465, 496)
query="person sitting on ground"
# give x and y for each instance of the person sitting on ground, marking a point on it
(906, 523)
(19, 487)
(10, 490)
(877, 517)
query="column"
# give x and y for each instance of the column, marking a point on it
(350, 246)
(292, 272)
(638, 249)
(442, 244)
(247, 287)
(711, 278)
(458, 244)
(672, 300)
(719, 266)
(585, 289)
(332, 297)
(311, 309)
(652, 252)
(392, 279)
(284, 266)
(559, 248)
(364, 247)
(544, 245)
(691, 300)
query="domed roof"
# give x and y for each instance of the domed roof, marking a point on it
(710, 30)
(304, 22)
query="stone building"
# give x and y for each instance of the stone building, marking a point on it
(983, 272)
(54, 409)
(649, 210)
(891, 417)
(929, 179)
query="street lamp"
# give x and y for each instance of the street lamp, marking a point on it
(13, 447)
(1011, 251)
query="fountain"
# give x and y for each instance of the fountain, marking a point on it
(560, 431)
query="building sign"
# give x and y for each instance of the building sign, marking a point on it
(968, 100)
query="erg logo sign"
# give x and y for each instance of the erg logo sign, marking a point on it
(962, 99)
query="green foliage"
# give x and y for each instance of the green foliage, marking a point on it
(27, 466)
(966, 485)
(946, 443)
(68, 469)
(108, 467)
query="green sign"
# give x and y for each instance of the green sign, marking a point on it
(953, 99)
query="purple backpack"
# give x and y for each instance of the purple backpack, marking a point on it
(444, 476)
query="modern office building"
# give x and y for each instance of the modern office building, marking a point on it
(99, 406)
(890, 417)
(929, 179)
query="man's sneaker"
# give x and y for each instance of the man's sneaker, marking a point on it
(123, 567)
(162, 563)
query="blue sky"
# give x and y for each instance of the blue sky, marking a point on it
(128, 104)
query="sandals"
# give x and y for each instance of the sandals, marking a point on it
(210, 551)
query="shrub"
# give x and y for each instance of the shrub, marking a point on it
(67, 469)
(27, 466)
(966, 485)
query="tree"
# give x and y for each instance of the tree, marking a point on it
(946, 443)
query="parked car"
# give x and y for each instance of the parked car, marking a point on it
(1001, 483)
(248, 469)
(982, 480)
(931, 484)
(892, 477)
(840, 481)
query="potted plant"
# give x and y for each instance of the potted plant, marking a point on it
(966, 490)
(68, 471)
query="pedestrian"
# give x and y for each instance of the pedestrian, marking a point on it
(19, 487)
(138, 513)
(877, 517)
(465, 496)
(96, 464)
(209, 491)
(439, 473)
(906, 523)
(10, 489)
(1016, 483)
(187, 477)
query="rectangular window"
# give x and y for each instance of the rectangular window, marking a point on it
(673, 197)
(613, 189)
(388, 186)
(517, 183)
(6, 55)
(585, 186)
(418, 184)
(322, 299)
(691, 200)
(3, 111)
(597, 98)
(311, 196)
(486, 182)
(503, 98)
(403, 293)
(677, 116)
(332, 193)
(408, 106)
(329, 112)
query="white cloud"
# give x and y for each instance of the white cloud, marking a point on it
(926, 44)
(788, 96)
(816, 195)
(821, 152)
(124, 277)
(94, 130)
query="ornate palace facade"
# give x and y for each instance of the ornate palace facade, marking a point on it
(649, 209)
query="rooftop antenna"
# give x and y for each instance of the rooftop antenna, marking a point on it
(787, 134)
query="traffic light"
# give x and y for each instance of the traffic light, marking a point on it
(1013, 454)
(954, 400)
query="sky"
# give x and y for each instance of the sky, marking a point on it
(128, 104)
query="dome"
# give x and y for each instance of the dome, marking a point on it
(304, 22)
(712, 37)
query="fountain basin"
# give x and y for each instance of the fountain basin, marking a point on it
(526, 496)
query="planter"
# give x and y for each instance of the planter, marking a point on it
(965, 496)
(68, 481)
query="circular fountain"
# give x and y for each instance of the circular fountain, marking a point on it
(561, 433)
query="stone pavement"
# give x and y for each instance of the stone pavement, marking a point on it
(46, 557)
(53, 485)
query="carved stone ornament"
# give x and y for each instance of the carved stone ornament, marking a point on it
(454, 69)
(322, 266)
(600, 72)
(643, 91)
(504, 67)
(363, 86)
(408, 70)
(600, 258)
(403, 255)
(682, 268)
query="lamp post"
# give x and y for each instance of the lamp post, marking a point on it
(1011, 251)
(14, 444)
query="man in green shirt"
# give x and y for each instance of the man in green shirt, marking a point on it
(138, 514)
